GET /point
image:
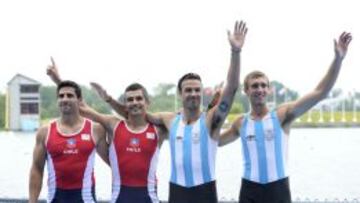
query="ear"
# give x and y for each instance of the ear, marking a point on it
(246, 91)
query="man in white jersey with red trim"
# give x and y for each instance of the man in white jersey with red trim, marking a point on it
(134, 144)
(194, 134)
(68, 145)
(264, 134)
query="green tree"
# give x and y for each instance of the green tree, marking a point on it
(164, 98)
(2, 110)
(49, 107)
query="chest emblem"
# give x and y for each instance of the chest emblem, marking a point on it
(71, 143)
(150, 136)
(85, 137)
(134, 142)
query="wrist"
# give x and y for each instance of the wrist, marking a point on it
(235, 50)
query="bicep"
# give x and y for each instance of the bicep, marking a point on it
(223, 108)
(291, 110)
(39, 152)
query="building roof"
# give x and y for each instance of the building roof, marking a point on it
(30, 80)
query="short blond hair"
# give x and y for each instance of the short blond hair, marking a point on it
(253, 75)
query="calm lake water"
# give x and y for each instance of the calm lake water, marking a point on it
(323, 163)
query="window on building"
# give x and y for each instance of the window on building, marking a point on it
(29, 88)
(29, 108)
(29, 98)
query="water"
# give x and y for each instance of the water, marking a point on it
(324, 164)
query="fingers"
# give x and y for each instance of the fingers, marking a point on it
(240, 28)
(95, 85)
(344, 39)
(52, 61)
(98, 88)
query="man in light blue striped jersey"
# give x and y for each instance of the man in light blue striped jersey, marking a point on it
(264, 133)
(194, 134)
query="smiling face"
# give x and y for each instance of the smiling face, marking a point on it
(135, 102)
(68, 102)
(191, 94)
(257, 90)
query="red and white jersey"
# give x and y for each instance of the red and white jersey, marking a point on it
(70, 159)
(133, 158)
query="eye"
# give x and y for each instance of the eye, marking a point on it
(70, 95)
(187, 90)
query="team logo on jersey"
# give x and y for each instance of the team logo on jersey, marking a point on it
(71, 143)
(134, 142)
(196, 137)
(250, 137)
(85, 137)
(269, 134)
(150, 136)
(179, 136)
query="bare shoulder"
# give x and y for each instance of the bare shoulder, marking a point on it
(283, 112)
(166, 117)
(42, 133)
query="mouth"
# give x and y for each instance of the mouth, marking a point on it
(135, 108)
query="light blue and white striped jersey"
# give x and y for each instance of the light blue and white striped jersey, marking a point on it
(265, 149)
(193, 152)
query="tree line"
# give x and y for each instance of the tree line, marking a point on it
(163, 98)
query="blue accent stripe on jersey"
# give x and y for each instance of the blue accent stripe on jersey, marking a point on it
(247, 167)
(278, 146)
(259, 135)
(204, 150)
(172, 141)
(187, 160)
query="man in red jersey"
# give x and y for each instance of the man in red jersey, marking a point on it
(68, 144)
(134, 145)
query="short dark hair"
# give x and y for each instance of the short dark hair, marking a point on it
(252, 75)
(187, 76)
(69, 83)
(138, 86)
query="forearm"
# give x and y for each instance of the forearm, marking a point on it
(93, 115)
(35, 186)
(328, 81)
(234, 70)
(117, 106)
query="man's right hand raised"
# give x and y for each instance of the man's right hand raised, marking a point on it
(52, 72)
(101, 91)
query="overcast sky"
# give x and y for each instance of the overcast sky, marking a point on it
(119, 42)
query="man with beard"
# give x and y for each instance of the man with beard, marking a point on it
(68, 144)
(194, 134)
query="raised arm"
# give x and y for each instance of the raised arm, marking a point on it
(116, 105)
(107, 121)
(218, 115)
(289, 111)
(52, 72)
(37, 166)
